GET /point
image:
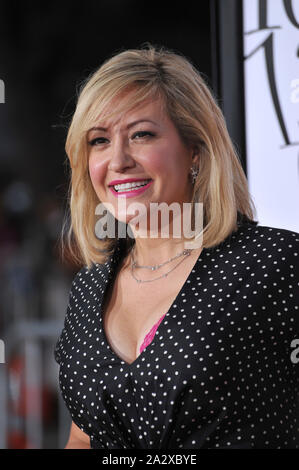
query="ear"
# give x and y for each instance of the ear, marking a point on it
(195, 154)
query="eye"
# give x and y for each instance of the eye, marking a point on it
(142, 134)
(96, 141)
(101, 140)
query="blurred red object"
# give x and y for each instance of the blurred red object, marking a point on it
(24, 400)
(17, 440)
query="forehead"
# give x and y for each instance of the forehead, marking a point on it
(123, 110)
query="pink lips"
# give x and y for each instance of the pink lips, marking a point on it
(134, 192)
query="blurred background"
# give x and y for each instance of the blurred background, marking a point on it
(46, 51)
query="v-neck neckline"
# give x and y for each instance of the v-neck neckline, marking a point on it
(112, 267)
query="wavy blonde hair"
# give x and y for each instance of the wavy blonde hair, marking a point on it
(152, 72)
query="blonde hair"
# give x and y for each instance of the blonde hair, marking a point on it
(152, 72)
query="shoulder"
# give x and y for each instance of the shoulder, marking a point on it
(269, 256)
(261, 250)
(89, 284)
(97, 275)
(262, 238)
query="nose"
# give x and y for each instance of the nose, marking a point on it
(121, 157)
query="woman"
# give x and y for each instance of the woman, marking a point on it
(165, 346)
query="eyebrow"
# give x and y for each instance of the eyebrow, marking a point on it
(131, 124)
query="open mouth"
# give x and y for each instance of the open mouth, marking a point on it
(126, 187)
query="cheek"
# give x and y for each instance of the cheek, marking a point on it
(96, 172)
(160, 161)
(168, 161)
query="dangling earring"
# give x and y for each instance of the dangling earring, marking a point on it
(194, 172)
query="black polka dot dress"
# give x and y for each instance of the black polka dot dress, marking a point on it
(219, 372)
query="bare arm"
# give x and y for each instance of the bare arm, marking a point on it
(77, 439)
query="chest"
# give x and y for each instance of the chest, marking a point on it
(131, 309)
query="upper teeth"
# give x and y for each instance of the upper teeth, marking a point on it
(121, 187)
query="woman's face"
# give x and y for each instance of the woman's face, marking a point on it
(143, 145)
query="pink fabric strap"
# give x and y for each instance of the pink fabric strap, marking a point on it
(150, 335)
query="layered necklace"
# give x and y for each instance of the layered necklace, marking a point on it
(135, 265)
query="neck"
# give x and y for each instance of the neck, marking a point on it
(166, 240)
(150, 252)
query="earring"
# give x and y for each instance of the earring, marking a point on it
(194, 172)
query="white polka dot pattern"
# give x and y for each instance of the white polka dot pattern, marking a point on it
(218, 372)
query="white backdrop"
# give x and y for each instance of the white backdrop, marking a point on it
(271, 74)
